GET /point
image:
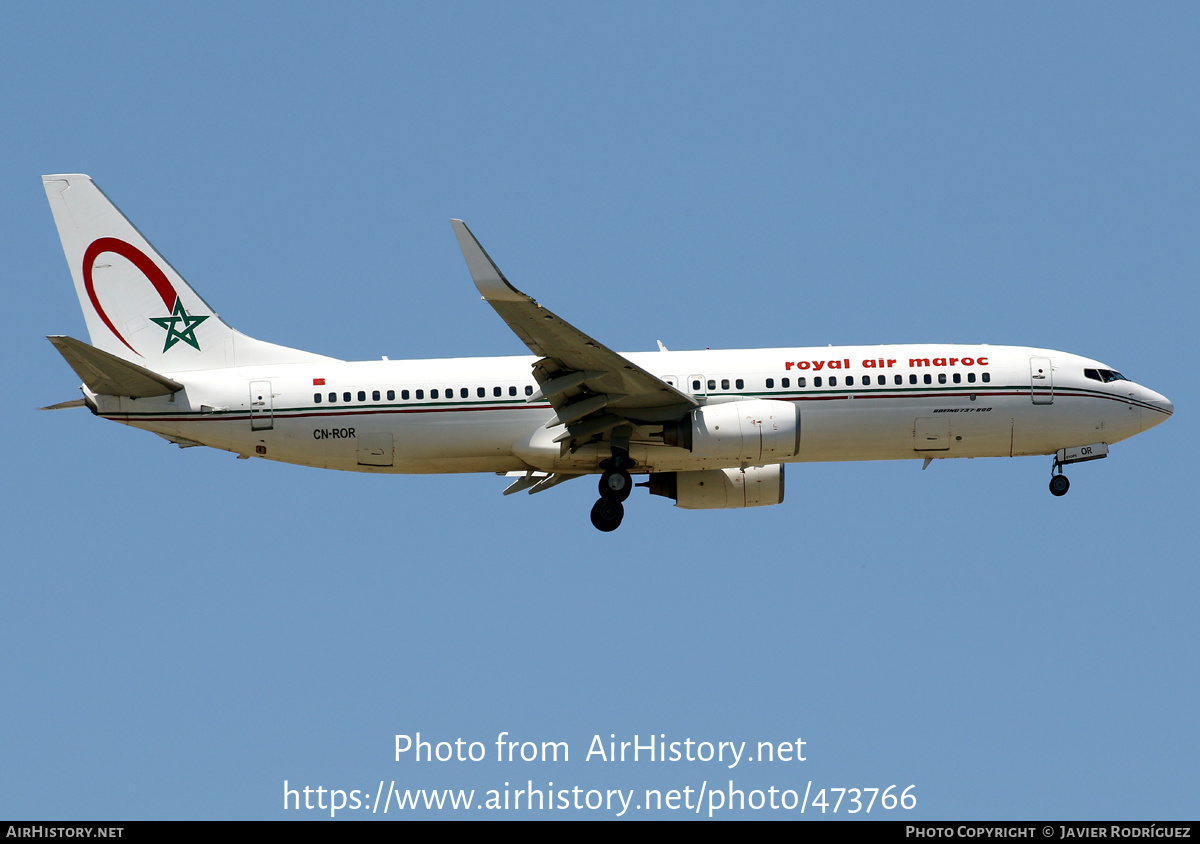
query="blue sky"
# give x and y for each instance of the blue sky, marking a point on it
(183, 631)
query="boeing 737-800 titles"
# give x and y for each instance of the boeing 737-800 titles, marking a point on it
(710, 429)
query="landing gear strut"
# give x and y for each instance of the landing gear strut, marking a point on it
(615, 483)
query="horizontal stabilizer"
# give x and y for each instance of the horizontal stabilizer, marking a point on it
(182, 442)
(63, 405)
(109, 375)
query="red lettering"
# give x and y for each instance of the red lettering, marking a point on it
(968, 361)
(890, 362)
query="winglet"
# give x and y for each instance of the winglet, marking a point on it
(492, 284)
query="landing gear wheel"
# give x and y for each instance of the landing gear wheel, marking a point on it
(1059, 485)
(607, 515)
(615, 485)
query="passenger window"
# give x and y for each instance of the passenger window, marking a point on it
(817, 381)
(497, 391)
(712, 384)
(832, 380)
(928, 378)
(957, 378)
(899, 379)
(480, 392)
(785, 383)
(528, 390)
(740, 384)
(770, 383)
(420, 394)
(317, 398)
(912, 379)
(375, 396)
(332, 398)
(941, 378)
(362, 395)
(346, 397)
(801, 382)
(724, 383)
(695, 386)
(512, 391)
(849, 380)
(433, 394)
(987, 376)
(970, 377)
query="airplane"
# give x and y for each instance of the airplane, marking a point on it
(708, 429)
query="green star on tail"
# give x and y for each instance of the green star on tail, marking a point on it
(187, 334)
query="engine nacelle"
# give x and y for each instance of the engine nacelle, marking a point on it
(754, 431)
(721, 489)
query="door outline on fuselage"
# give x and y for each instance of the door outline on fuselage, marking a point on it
(931, 433)
(1041, 380)
(262, 407)
(376, 449)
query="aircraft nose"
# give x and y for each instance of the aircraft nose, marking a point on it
(1163, 408)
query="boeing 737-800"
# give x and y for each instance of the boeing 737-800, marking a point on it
(710, 429)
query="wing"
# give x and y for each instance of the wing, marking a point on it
(591, 388)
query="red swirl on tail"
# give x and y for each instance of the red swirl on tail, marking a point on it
(140, 260)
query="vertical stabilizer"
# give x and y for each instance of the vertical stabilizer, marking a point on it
(136, 305)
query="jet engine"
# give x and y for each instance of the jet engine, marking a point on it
(721, 489)
(754, 431)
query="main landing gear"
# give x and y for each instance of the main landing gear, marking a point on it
(607, 515)
(615, 486)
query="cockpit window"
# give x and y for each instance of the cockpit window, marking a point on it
(1104, 375)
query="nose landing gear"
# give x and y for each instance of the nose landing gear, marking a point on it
(1078, 454)
(1059, 483)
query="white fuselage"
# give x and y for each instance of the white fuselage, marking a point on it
(472, 414)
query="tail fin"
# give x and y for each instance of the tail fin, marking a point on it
(137, 307)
